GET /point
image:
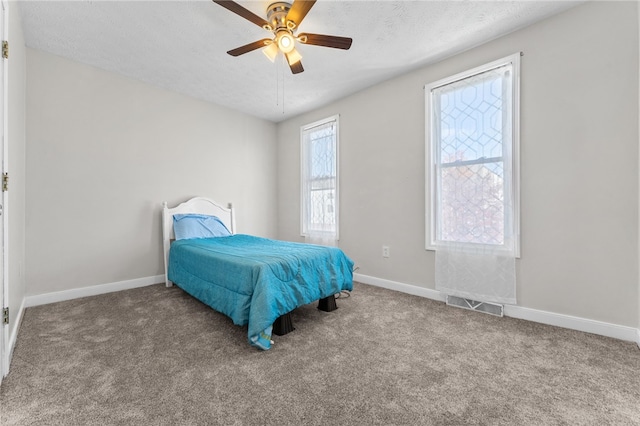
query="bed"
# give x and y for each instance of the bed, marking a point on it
(254, 281)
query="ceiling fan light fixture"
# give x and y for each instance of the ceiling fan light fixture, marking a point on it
(293, 57)
(285, 41)
(271, 51)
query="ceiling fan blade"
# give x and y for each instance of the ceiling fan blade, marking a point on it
(325, 40)
(249, 47)
(299, 10)
(296, 68)
(241, 11)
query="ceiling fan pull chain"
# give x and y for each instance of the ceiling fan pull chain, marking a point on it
(283, 66)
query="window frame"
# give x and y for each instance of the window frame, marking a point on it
(431, 145)
(303, 153)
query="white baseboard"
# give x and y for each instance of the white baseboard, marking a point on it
(76, 293)
(13, 338)
(574, 323)
(401, 287)
(559, 320)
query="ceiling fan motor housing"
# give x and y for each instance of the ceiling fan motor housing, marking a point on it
(277, 17)
(281, 27)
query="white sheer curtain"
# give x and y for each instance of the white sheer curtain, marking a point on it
(479, 273)
(320, 183)
(321, 238)
(474, 209)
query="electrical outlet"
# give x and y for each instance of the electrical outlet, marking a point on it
(385, 251)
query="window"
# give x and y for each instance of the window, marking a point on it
(472, 156)
(319, 181)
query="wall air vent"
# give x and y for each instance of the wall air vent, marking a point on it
(473, 305)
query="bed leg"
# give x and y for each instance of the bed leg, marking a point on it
(283, 325)
(328, 304)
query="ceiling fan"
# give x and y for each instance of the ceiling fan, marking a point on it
(283, 20)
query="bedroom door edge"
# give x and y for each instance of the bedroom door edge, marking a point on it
(4, 299)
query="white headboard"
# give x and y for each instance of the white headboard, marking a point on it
(199, 205)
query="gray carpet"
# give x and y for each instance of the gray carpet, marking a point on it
(157, 356)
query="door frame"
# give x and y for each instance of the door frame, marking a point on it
(4, 247)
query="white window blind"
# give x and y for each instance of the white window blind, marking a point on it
(319, 182)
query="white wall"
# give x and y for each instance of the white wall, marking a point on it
(16, 166)
(104, 151)
(579, 168)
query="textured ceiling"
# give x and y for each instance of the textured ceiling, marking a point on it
(182, 45)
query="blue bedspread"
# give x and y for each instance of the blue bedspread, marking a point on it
(255, 280)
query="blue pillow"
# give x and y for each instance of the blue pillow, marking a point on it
(187, 226)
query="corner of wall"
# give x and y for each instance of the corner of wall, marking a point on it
(638, 241)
